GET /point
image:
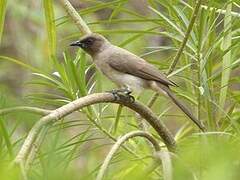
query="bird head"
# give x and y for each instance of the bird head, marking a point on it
(91, 43)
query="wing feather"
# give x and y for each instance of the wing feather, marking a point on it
(127, 62)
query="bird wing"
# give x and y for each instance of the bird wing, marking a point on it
(126, 62)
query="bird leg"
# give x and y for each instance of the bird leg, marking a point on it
(123, 92)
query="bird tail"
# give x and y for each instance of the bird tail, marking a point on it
(159, 88)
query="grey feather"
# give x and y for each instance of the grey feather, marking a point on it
(126, 62)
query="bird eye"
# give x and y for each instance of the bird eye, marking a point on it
(89, 41)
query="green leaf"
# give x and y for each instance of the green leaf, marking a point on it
(116, 122)
(19, 62)
(3, 5)
(50, 26)
(6, 136)
(168, 21)
(134, 37)
(92, 9)
(179, 70)
(227, 57)
(116, 10)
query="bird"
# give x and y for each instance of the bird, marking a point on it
(129, 71)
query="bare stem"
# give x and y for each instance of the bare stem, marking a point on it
(80, 23)
(117, 145)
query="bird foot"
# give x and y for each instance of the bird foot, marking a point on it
(124, 93)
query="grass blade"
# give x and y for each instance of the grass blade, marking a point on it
(19, 62)
(227, 41)
(50, 26)
(116, 122)
(168, 21)
(6, 137)
(3, 5)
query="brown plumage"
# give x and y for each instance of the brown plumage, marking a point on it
(128, 70)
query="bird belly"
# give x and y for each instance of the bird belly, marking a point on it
(126, 80)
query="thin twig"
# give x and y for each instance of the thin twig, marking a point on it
(82, 26)
(25, 108)
(180, 50)
(119, 143)
(67, 109)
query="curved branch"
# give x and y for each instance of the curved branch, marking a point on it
(82, 26)
(119, 143)
(67, 109)
(25, 108)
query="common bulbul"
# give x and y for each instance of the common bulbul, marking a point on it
(128, 71)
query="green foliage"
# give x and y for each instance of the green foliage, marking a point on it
(3, 5)
(226, 43)
(212, 156)
(50, 26)
(75, 147)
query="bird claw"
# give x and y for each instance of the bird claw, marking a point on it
(115, 94)
(118, 93)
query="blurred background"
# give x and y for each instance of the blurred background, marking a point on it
(39, 69)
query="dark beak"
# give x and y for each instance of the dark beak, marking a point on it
(76, 43)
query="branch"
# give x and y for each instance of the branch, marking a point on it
(82, 26)
(67, 109)
(25, 108)
(119, 143)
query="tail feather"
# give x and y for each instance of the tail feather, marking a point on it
(166, 89)
(186, 111)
